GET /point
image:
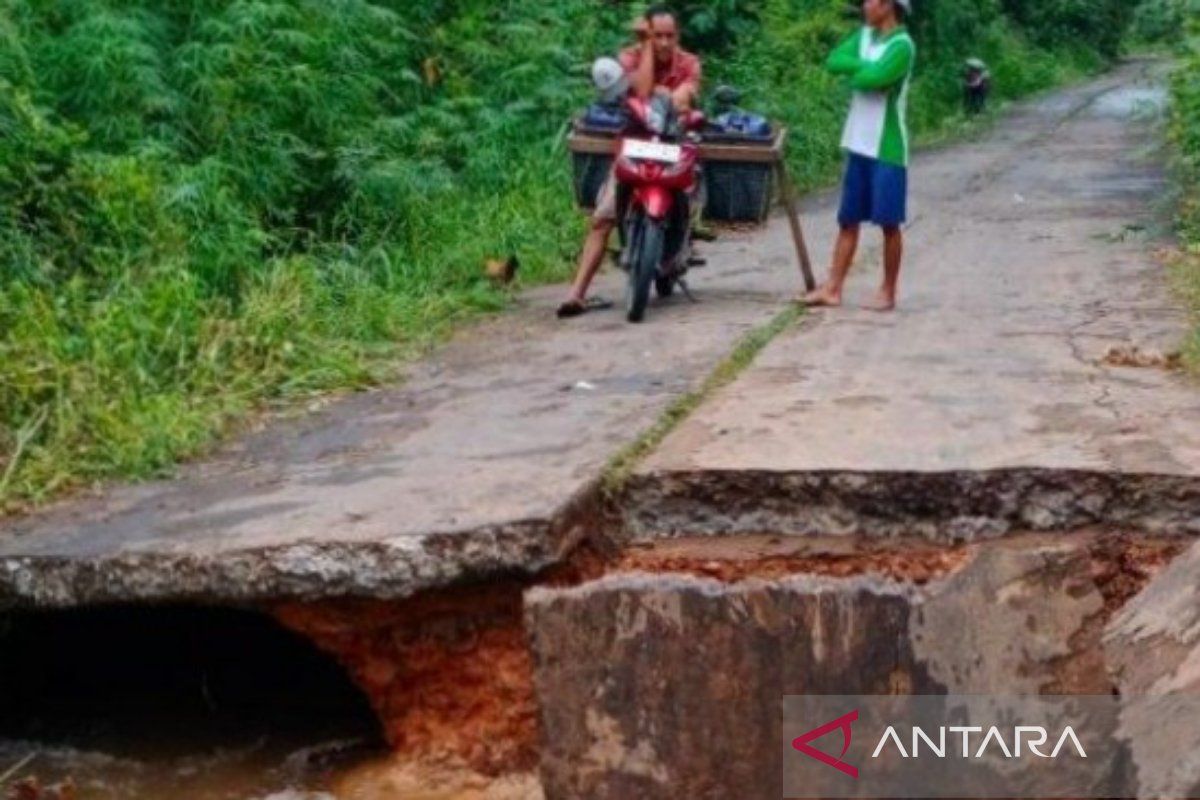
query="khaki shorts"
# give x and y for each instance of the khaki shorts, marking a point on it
(606, 200)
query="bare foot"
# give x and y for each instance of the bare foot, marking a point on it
(881, 302)
(821, 297)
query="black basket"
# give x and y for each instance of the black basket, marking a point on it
(737, 191)
(590, 170)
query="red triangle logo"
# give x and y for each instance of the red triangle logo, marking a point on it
(842, 723)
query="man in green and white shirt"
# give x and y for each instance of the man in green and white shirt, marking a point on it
(879, 61)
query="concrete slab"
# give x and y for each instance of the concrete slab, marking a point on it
(987, 402)
(665, 686)
(1153, 649)
(475, 466)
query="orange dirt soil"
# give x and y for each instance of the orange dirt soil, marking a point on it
(450, 673)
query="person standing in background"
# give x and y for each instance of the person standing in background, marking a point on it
(879, 61)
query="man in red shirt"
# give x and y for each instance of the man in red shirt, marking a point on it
(657, 64)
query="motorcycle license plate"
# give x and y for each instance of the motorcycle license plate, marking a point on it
(652, 151)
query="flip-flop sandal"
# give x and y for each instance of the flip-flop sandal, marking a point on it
(574, 308)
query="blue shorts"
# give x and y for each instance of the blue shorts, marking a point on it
(873, 191)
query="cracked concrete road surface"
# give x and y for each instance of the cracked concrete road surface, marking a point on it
(1027, 259)
(1010, 368)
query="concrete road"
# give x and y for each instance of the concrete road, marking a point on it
(1023, 268)
(1021, 384)
(479, 464)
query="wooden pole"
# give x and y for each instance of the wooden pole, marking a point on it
(786, 192)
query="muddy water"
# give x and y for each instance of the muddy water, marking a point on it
(176, 702)
(264, 770)
(194, 703)
(254, 771)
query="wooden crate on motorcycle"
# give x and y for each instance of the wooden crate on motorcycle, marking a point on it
(739, 175)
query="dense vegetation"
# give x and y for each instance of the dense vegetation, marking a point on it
(1185, 129)
(208, 205)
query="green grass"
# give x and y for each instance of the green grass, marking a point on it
(212, 207)
(747, 349)
(1185, 135)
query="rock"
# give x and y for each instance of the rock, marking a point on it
(1016, 620)
(1153, 648)
(666, 686)
(1153, 644)
(669, 686)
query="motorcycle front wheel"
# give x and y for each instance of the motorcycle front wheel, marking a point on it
(643, 265)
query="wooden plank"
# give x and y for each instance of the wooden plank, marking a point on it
(600, 145)
(590, 145)
(746, 153)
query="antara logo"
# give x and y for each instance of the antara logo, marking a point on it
(843, 723)
(1030, 737)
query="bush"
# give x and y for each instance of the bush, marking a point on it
(207, 205)
(1163, 20)
(1093, 24)
(1185, 135)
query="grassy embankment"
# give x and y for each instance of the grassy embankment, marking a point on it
(1185, 135)
(207, 207)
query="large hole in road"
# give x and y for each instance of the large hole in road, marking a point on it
(125, 674)
(447, 678)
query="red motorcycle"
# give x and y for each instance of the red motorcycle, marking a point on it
(657, 171)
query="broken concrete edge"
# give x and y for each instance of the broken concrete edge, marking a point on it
(382, 569)
(948, 507)
(627, 459)
(1163, 620)
(943, 508)
(639, 581)
(656, 685)
(387, 569)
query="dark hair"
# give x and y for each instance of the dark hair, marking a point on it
(660, 10)
(901, 14)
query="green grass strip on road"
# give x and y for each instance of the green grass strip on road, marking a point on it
(742, 356)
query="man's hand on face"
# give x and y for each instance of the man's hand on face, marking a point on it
(642, 33)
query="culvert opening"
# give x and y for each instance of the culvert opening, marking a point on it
(131, 700)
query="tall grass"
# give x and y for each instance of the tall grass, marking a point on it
(1185, 133)
(211, 205)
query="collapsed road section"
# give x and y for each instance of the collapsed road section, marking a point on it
(967, 496)
(667, 681)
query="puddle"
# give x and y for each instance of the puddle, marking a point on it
(264, 771)
(267, 770)
(1140, 101)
